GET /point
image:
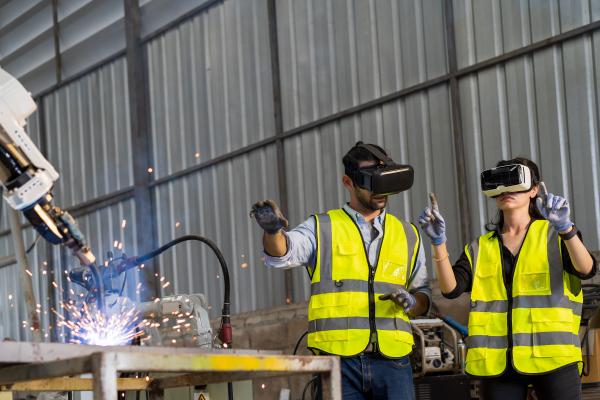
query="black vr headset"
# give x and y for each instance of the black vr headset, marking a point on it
(506, 179)
(385, 178)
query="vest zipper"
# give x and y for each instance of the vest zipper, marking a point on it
(371, 281)
(372, 301)
(510, 300)
(509, 295)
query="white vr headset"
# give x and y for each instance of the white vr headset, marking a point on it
(506, 178)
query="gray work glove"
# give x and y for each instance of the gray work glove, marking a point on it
(432, 222)
(554, 208)
(269, 216)
(401, 297)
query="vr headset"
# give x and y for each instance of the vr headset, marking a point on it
(385, 178)
(506, 178)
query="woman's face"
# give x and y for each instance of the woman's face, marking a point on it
(516, 201)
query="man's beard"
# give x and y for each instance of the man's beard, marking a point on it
(369, 203)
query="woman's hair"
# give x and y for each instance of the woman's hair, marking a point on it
(498, 221)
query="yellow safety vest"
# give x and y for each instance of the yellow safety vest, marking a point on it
(344, 306)
(544, 309)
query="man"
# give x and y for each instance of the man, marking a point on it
(367, 271)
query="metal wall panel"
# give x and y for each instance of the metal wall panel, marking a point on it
(413, 130)
(90, 31)
(157, 13)
(337, 54)
(27, 44)
(89, 139)
(543, 107)
(214, 203)
(485, 29)
(210, 86)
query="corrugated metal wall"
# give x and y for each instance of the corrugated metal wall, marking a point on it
(542, 106)
(210, 86)
(214, 203)
(89, 138)
(346, 68)
(89, 33)
(338, 54)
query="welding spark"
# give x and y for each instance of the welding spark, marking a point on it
(88, 325)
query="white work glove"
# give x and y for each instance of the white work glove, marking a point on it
(432, 223)
(554, 208)
(401, 297)
(268, 215)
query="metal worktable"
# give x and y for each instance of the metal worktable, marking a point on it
(28, 366)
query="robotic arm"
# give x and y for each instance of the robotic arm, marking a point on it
(27, 177)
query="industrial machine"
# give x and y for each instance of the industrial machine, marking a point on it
(177, 321)
(27, 178)
(437, 349)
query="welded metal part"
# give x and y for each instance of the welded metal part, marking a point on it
(41, 360)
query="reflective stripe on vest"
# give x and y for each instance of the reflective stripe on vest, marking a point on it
(339, 312)
(545, 307)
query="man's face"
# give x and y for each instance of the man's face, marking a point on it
(366, 198)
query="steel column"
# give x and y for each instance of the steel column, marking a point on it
(278, 116)
(141, 146)
(457, 133)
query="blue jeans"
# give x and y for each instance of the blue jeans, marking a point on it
(371, 376)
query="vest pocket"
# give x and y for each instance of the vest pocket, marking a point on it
(393, 271)
(332, 336)
(535, 280)
(335, 301)
(347, 248)
(550, 326)
(329, 313)
(477, 345)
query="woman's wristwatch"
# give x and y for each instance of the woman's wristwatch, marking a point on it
(568, 234)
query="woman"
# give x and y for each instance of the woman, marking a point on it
(524, 278)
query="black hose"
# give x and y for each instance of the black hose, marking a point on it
(227, 296)
(310, 383)
(298, 342)
(225, 312)
(32, 244)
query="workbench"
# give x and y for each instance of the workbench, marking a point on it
(26, 366)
